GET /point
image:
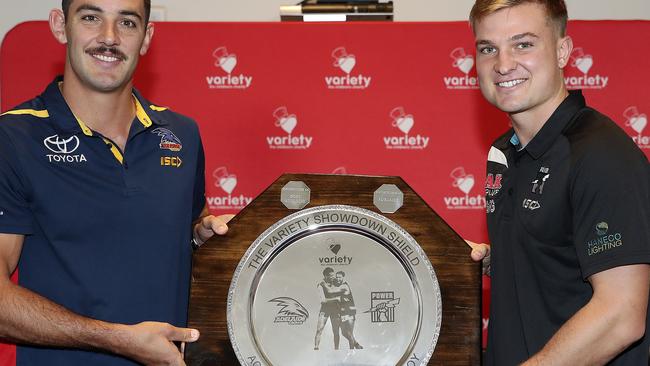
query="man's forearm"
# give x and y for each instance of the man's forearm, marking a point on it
(32, 319)
(593, 336)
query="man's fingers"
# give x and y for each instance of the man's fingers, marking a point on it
(479, 251)
(183, 334)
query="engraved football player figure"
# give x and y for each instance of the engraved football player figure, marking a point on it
(347, 309)
(329, 309)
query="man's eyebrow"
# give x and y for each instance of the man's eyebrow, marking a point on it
(89, 7)
(517, 37)
(131, 13)
(483, 42)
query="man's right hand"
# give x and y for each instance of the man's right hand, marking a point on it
(151, 343)
(480, 252)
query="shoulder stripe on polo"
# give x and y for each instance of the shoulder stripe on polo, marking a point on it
(497, 156)
(141, 114)
(157, 108)
(41, 114)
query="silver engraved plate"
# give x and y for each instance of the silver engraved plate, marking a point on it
(334, 285)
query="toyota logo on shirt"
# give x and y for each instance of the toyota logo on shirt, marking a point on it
(60, 145)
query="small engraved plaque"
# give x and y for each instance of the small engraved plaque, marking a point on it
(295, 195)
(334, 285)
(388, 198)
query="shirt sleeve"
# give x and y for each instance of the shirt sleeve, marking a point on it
(199, 183)
(610, 195)
(15, 214)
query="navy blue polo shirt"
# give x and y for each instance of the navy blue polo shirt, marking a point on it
(574, 202)
(107, 232)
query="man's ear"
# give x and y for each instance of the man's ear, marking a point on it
(564, 49)
(57, 25)
(148, 35)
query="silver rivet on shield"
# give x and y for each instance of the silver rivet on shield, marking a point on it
(295, 195)
(388, 198)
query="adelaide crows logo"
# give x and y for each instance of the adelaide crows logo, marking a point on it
(168, 141)
(291, 311)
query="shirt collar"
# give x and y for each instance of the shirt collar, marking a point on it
(67, 123)
(554, 126)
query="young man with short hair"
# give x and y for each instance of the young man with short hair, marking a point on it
(96, 222)
(568, 203)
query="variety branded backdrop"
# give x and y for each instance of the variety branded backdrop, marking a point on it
(377, 99)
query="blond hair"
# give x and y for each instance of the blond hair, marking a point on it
(555, 10)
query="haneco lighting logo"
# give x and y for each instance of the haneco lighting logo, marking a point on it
(226, 62)
(637, 122)
(227, 183)
(287, 123)
(63, 149)
(583, 63)
(464, 182)
(465, 64)
(291, 311)
(605, 241)
(404, 123)
(346, 63)
(382, 306)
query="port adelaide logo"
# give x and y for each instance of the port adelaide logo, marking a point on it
(290, 311)
(382, 306)
(226, 62)
(63, 149)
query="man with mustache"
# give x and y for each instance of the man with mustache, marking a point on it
(568, 204)
(101, 192)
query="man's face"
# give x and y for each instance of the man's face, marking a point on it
(518, 58)
(330, 277)
(105, 39)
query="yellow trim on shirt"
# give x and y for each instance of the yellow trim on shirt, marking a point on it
(141, 114)
(116, 152)
(41, 114)
(157, 108)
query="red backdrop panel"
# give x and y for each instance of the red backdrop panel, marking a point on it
(364, 98)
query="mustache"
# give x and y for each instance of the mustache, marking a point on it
(112, 51)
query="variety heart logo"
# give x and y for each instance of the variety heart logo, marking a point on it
(638, 123)
(288, 123)
(228, 63)
(335, 248)
(465, 64)
(228, 183)
(466, 184)
(405, 123)
(347, 63)
(584, 63)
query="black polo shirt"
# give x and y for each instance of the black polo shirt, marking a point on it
(573, 202)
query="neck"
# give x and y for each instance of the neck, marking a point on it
(109, 113)
(528, 123)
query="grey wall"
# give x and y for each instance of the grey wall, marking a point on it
(13, 12)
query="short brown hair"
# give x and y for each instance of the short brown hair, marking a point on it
(555, 10)
(65, 5)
